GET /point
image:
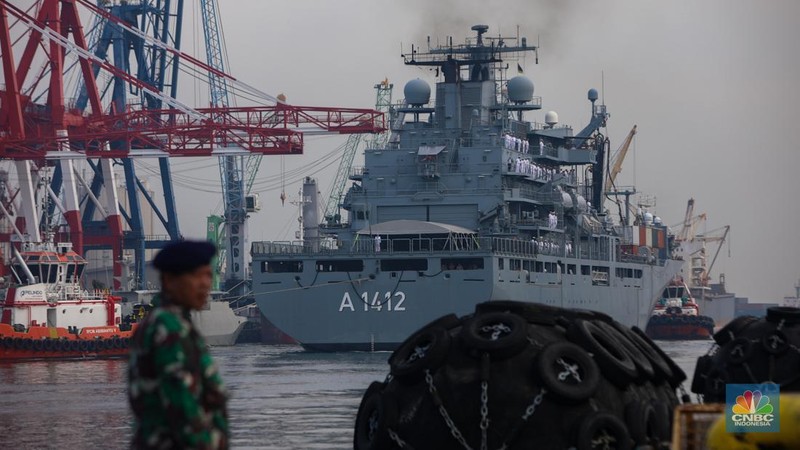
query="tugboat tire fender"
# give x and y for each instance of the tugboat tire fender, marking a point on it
(582, 374)
(610, 357)
(598, 424)
(425, 350)
(38, 345)
(500, 334)
(376, 414)
(27, 344)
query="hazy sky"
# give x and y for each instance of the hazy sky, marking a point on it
(712, 86)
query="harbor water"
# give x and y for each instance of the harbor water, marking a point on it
(281, 397)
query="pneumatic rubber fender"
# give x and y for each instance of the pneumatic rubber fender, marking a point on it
(425, 350)
(548, 367)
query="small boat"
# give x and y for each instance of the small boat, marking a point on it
(217, 322)
(47, 314)
(676, 316)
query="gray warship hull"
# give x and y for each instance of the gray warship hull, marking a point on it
(376, 310)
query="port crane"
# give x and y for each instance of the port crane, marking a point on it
(610, 188)
(36, 135)
(692, 247)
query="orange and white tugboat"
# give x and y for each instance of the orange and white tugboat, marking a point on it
(46, 313)
(676, 316)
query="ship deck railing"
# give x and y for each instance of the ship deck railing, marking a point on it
(438, 246)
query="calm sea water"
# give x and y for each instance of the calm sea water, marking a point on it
(282, 397)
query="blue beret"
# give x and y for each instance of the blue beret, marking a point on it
(184, 256)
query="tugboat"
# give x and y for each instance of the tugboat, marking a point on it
(676, 316)
(46, 314)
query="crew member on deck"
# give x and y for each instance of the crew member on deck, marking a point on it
(175, 391)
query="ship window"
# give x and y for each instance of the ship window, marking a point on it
(462, 263)
(539, 266)
(514, 264)
(404, 264)
(637, 273)
(526, 265)
(571, 269)
(340, 265)
(586, 270)
(500, 263)
(281, 266)
(622, 272)
(362, 215)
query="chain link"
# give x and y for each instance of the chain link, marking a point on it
(532, 407)
(419, 353)
(484, 414)
(569, 369)
(400, 443)
(453, 430)
(496, 330)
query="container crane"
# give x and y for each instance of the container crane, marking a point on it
(35, 135)
(610, 188)
(383, 101)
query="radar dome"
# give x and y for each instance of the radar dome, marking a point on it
(551, 118)
(520, 89)
(593, 94)
(417, 92)
(657, 220)
(648, 218)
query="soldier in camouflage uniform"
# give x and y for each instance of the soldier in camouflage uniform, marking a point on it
(176, 393)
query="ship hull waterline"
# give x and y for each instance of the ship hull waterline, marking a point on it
(376, 312)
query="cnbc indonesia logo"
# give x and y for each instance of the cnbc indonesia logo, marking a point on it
(752, 410)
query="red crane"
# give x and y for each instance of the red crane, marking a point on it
(33, 134)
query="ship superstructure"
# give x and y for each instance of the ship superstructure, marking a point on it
(467, 202)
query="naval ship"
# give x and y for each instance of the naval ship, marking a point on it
(467, 202)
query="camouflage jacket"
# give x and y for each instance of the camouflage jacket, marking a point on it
(174, 388)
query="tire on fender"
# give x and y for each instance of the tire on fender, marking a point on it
(615, 362)
(377, 413)
(584, 377)
(499, 334)
(425, 350)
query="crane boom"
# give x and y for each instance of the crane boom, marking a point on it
(618, 159)
(382, 103)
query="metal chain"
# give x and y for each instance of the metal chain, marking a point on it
(780, 324)
(496, 330)
(484, 414)
(453, 429)
(419, 353)
(605, 440)
(527, 415)
(400, 443)
(532, 407)
(569, 369)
